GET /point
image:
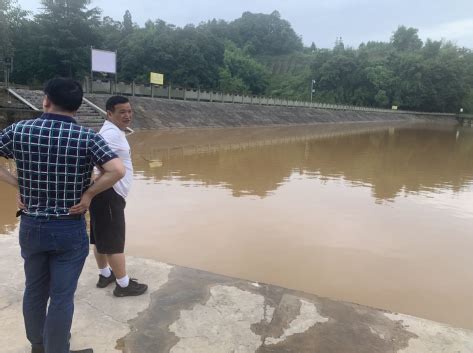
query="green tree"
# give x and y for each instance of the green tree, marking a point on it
(18, 40)
(264, 34)
(241, 73)
(127, 23)
(381, 99)
(337, 74)
(431, 49)
(187, 56)
(67, 30)
(111, 33)
(11, 17)
(6, 46)
(406, 39)
(467, 103)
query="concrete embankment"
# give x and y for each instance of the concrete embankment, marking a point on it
(189, 310)
(158, 113)
(154, 113)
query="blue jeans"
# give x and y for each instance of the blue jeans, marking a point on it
(54, 252)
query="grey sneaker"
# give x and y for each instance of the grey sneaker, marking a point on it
(105, 281)
(133, 289)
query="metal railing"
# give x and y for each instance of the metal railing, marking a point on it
(21, 99)
(169, 92)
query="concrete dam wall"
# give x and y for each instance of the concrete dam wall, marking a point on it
(155, 113)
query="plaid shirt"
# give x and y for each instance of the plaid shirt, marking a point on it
(54, 158)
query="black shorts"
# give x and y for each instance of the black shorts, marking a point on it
(107, 222)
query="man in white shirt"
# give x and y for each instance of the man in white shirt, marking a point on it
(107, 210)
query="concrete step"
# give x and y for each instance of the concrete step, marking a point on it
(88, 122)
(89, 118)
(86, 115)
(79, 113)
(87, 112)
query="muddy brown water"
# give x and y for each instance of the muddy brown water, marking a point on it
(374, 214)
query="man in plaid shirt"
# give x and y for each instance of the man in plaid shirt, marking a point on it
(55, 157)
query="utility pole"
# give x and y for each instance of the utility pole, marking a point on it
(312, 90)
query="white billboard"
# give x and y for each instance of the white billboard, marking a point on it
(104, 61)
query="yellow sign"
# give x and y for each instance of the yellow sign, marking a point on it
(394, 107)
(156, 79)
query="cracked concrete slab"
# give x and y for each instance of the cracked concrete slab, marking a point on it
(307, 318)
(433, 337)
(11, 323)
(198, 312)
(223, 324)
(192, 311)
(110, 315)
(100, 319)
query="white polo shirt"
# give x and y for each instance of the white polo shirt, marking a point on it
(118, 143)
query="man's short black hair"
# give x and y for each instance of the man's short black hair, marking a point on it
(65, 93)
(115, 100)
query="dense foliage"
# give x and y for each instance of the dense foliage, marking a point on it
(256, 54)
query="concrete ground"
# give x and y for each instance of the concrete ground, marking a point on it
(188, 311)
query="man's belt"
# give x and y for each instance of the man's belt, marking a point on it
(66, 217)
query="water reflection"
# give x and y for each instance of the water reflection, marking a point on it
(389, 159)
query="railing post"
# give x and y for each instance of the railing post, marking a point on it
(86, 84)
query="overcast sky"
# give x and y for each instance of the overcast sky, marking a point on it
(318, 21)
